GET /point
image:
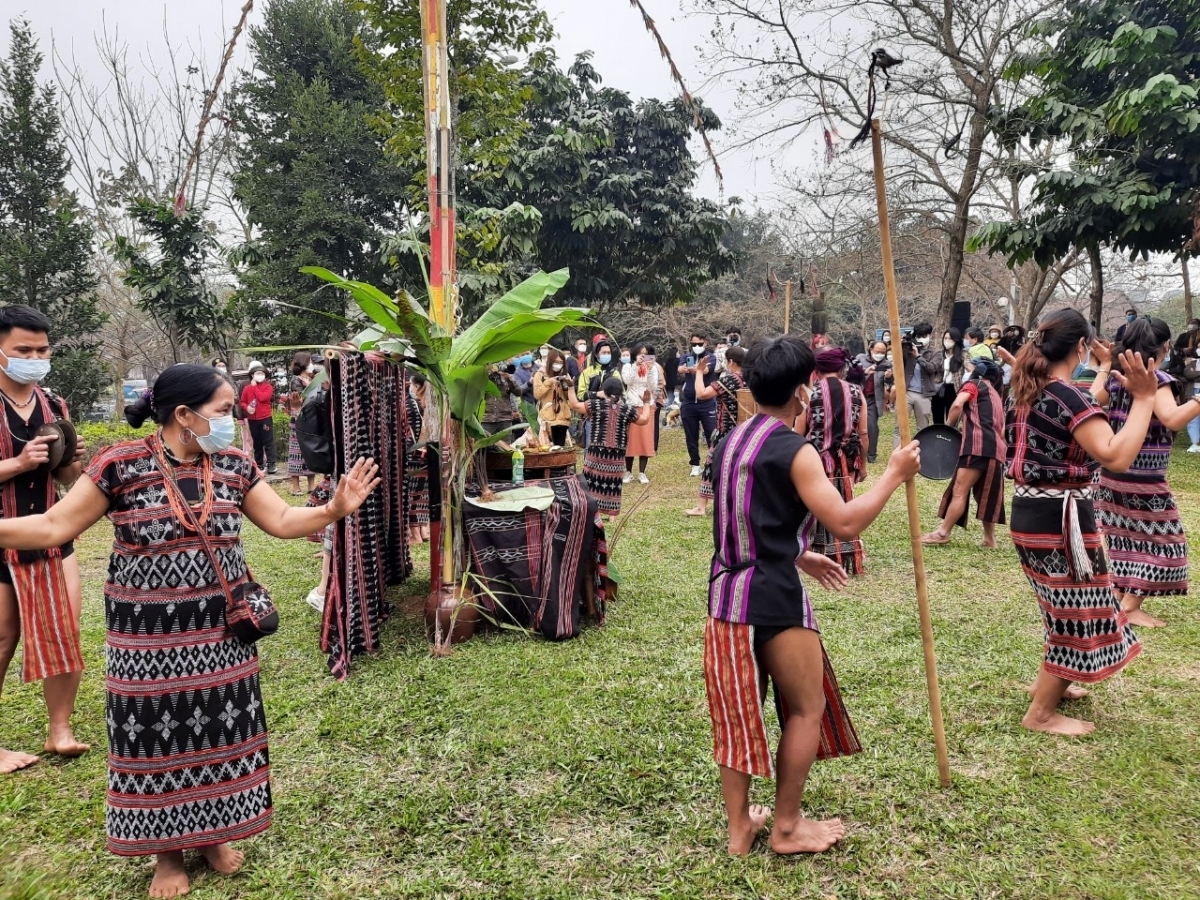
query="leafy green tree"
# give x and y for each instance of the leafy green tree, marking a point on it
(612, 182)
(45, 243)
(488, 91)
(312, 173)
(1117, 89)
(168, 272)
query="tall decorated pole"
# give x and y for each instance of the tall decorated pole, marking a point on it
(443, 290)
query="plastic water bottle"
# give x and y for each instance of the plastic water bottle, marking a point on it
(518, 467)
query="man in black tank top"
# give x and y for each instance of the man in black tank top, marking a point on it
(767, 481)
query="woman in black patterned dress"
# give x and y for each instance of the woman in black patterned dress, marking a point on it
(188, 764)
(604, 459)
(1057, 437)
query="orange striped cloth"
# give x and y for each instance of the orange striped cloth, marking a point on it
(49, 627)
(736, 686)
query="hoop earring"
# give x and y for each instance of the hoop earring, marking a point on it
(186, 436)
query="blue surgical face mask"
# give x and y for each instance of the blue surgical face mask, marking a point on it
(221, 430)
(604, 358)
(527, 359)
(1129, 318)
(625, 358)
(26, 371)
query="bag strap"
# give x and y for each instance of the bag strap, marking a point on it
(182, 504)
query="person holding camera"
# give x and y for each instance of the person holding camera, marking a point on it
(551, 386)
(923, 369)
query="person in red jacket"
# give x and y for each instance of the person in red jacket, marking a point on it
(257, 403)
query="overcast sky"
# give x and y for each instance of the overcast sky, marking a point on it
(625, 55)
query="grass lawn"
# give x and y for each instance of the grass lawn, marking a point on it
(524, 769)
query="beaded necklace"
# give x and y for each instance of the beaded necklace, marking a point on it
(168, 463)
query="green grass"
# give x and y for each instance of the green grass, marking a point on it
(524, 769)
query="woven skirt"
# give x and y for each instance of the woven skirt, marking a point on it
(850, 555)
(603, 469)
(1146, 544)
(988, 491)
(1087, 635)
(295, 464)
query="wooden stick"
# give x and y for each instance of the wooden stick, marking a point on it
(787, 307)
(910, 487)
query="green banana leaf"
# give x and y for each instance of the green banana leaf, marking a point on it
(466, 387)
(525, 297)
(405, 319)
(518, 334)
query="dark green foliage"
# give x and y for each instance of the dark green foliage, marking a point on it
(1117, 88)
(45, 245)
(171, 278)
(612, 180)
(312, 173)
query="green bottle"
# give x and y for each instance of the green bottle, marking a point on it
(518, 467)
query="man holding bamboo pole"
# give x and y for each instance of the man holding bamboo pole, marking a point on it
(767, 482)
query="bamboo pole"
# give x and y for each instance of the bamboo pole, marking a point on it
(787, 307)
(910, 486)
(442, 244)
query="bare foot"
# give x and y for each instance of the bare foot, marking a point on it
(12, 761)
(1073, 692)
(62, 742)
(1057, 724)
(740, 843)
(696, 511)
(170, 879)
(934, 539)
(1143, 619)
(807, 836)
(989, 545)
(223, 858)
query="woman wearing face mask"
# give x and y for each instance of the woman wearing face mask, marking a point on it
(1135, 508)
(302, 376)
(725, 391)
(952, 374)
(1057, 437)
(640, 375)
(257, 399)
(875, 366)
(188, 759)
(552, 388)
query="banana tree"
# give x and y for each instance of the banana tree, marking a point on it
(456, 366)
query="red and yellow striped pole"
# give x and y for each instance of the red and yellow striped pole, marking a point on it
(442, 284)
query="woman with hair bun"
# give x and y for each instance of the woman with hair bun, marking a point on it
(1058, 436)
(187, 762)
(1147, 548)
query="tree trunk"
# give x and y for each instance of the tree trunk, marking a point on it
(1097, 312)
(1187, 290)
(962, 211)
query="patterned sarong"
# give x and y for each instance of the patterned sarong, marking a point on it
(736, 684)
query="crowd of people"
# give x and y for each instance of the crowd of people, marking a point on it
(1082, 428)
